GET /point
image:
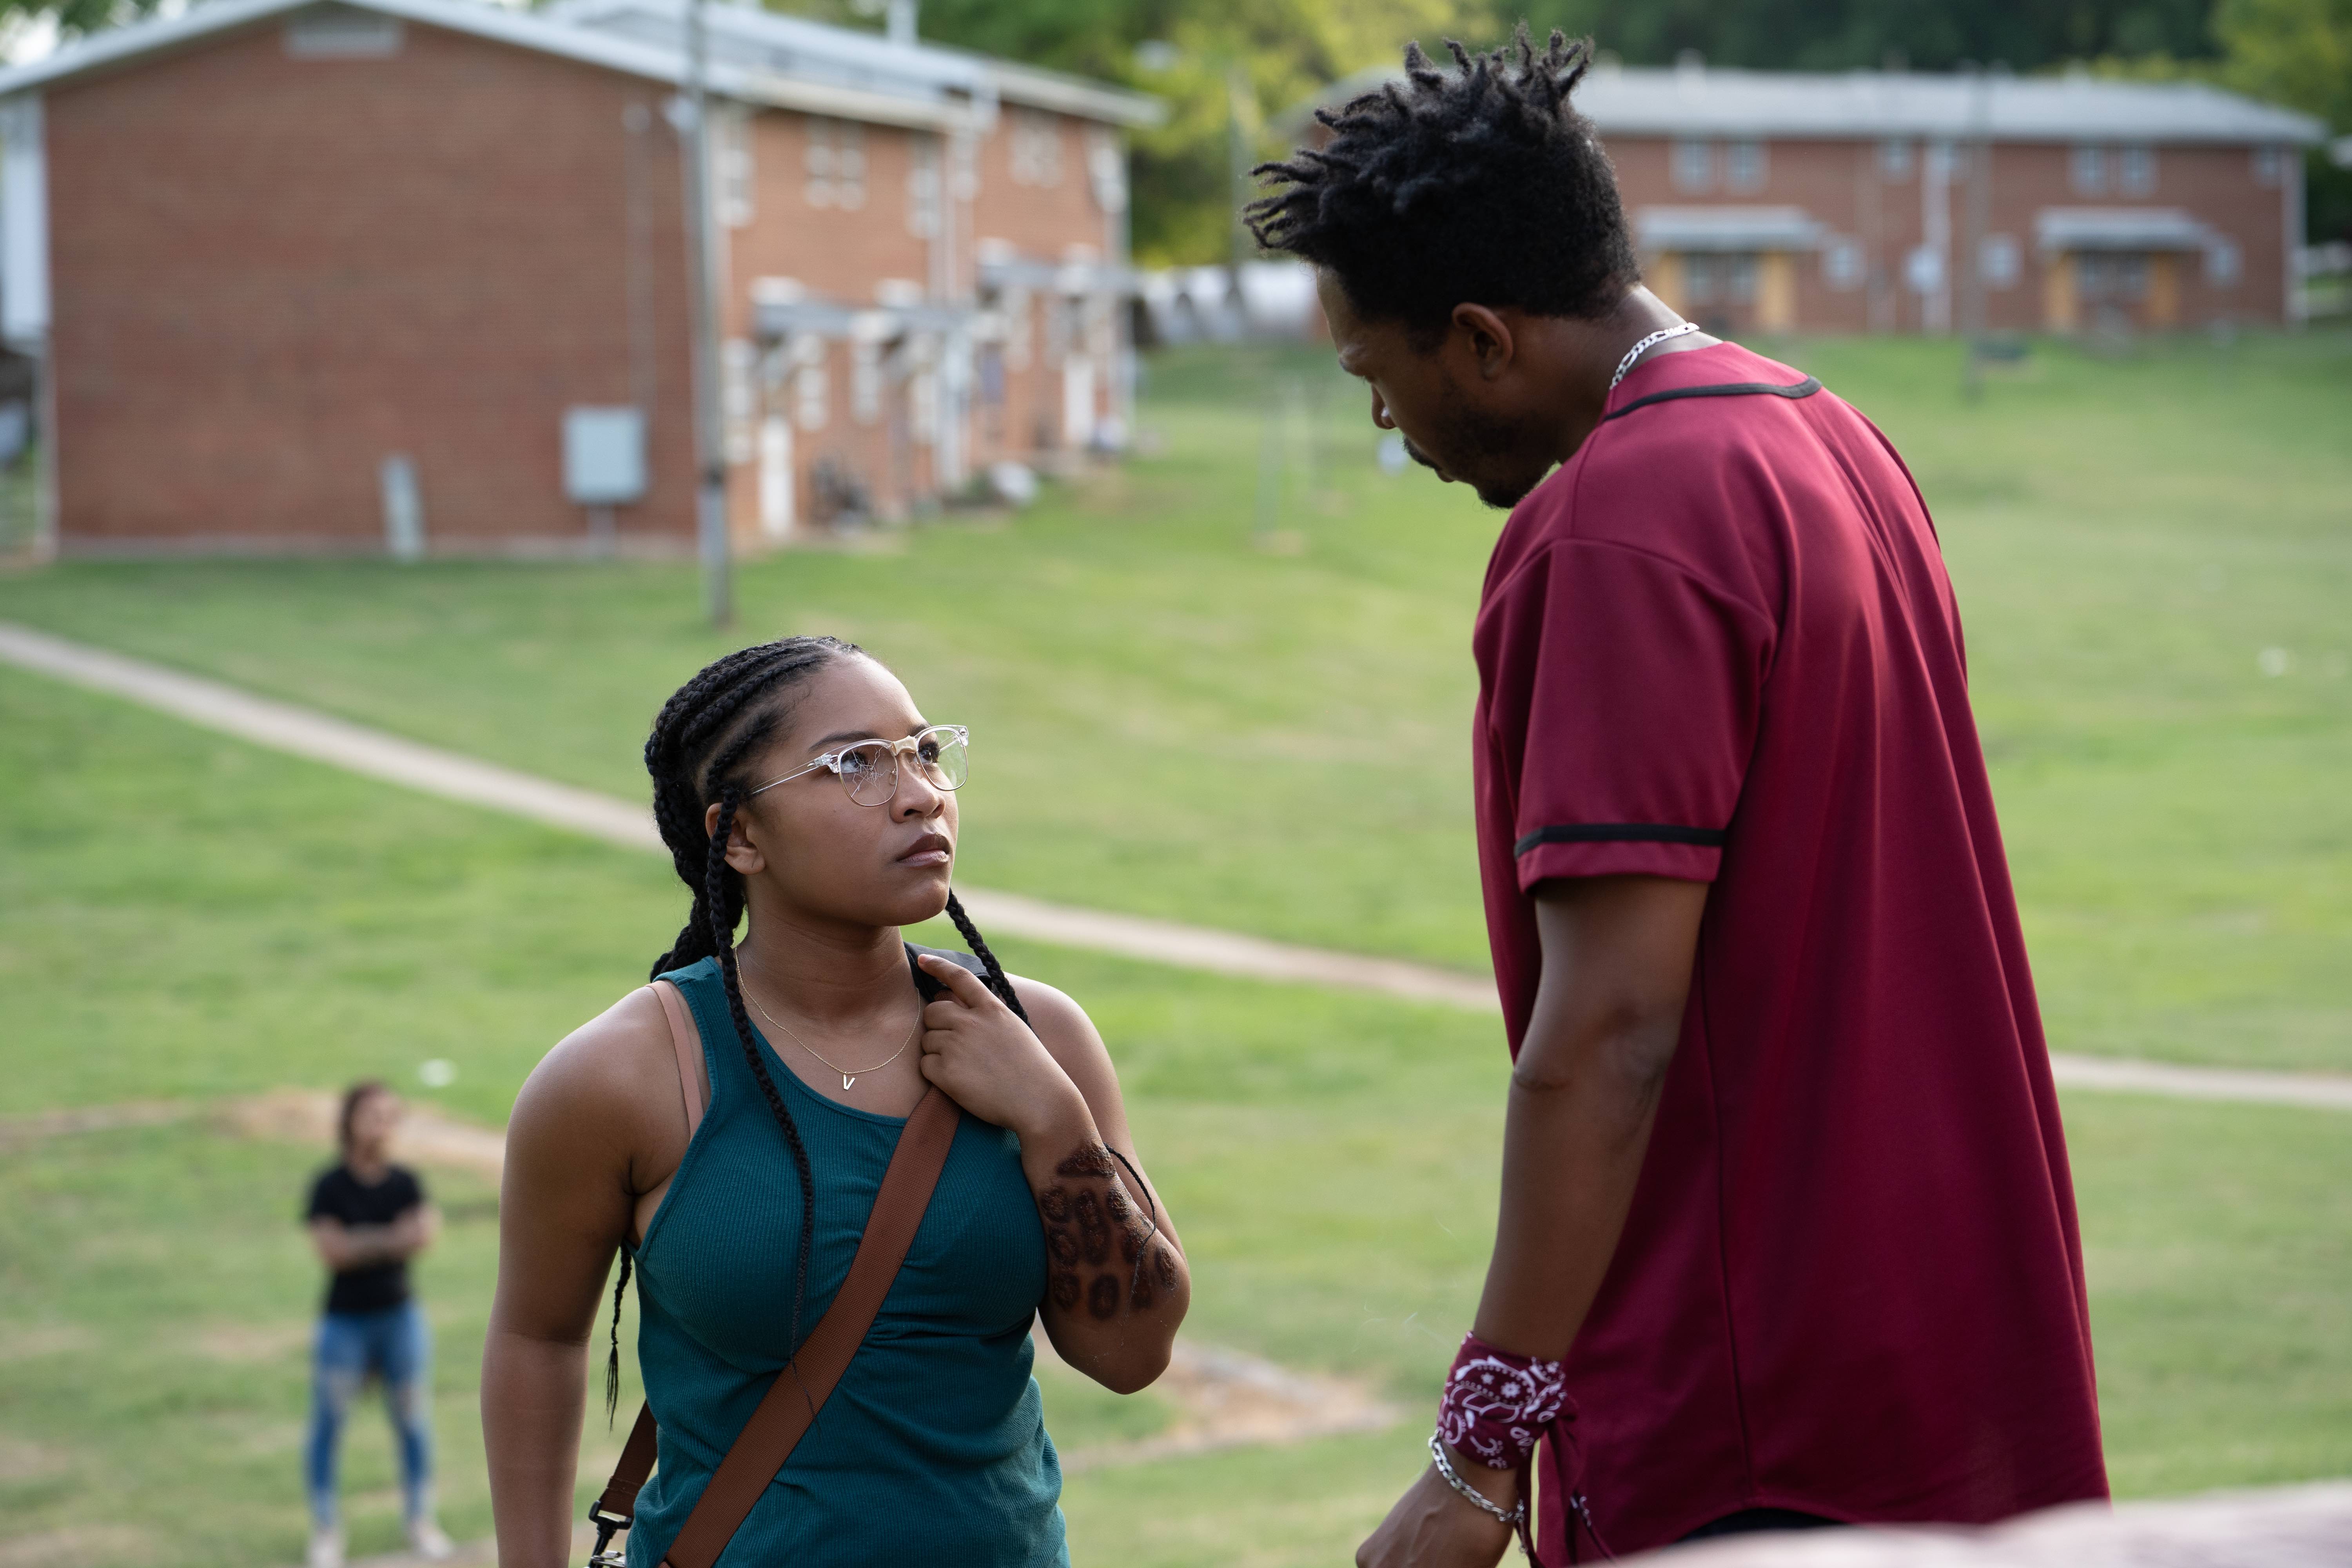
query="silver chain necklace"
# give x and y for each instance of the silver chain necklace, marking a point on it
(1645, 345)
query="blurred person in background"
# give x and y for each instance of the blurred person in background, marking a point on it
(1787, 1236)
(368, 1218)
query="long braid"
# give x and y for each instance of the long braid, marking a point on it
(996, 981)
(722, 935)
(612, 1363)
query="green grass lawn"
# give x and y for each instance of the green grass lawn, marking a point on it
(182, 916)
(1174, 722)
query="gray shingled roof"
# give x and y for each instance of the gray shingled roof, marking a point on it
(1637, 100)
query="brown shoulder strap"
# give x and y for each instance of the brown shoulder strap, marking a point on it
(799, 1391)
(687, 1041)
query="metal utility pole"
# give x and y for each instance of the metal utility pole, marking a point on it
(710, 444)
(1973, 304)
(1240, 123)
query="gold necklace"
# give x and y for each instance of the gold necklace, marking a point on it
(849, 1076)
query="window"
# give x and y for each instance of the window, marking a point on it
(336, 33)
(811, 385)
(736, 399)
(1841, 263)
(1106, 168)
(1743, 166)
(2001, 261)
(1035, 144)
(1719, 278)
(2223, 264)
(730, 146)
(2086, 171)
(2136, 171)
(865, 380)
(2111, 277)
(1895, 160)
(1693, 165)
(836, 163)
(923, 190)
(2270, 165)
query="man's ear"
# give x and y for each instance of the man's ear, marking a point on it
(1489, 338)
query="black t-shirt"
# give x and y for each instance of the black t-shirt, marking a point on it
(338, 1195)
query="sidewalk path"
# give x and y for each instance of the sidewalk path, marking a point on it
(305, 732)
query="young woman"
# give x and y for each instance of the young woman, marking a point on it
(368, 1218)
(797, 783)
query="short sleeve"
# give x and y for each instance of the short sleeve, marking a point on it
(321, 1205)
(1625, 694)
(412, 1196)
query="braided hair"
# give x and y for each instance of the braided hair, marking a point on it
(704, 734)
(1479, 183)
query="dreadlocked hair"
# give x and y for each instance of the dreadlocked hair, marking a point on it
(1479, 184)
(704, 734)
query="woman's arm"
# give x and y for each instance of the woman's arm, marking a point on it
(588, 1124)
(344, 1247)
(1117, 1283)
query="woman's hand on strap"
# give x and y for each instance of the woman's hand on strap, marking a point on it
(1116, 1282)
(980, 1054)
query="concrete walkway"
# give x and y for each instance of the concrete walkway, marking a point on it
(308, 733)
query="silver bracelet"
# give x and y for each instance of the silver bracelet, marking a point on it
(1513, 1518)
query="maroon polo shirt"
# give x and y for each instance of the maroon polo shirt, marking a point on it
(1719, 646)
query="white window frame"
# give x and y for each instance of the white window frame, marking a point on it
(2086, 169)
(1690, 163)
(2001, 261)
(1746, 165)
(1033, 147)
(836, 163)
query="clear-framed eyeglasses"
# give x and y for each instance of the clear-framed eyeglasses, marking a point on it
(869, 769)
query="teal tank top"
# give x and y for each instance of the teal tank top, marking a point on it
(933, 1447)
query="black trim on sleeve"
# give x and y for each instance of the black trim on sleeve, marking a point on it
(1804, 389)
(1620, 833)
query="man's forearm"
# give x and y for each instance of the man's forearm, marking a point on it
(1617, 955)
(1572, 1148)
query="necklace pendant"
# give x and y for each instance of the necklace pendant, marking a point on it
(848, 1080)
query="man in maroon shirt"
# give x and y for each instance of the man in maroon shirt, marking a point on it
(1787, 1235)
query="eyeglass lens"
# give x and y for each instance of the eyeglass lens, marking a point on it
(869, 770)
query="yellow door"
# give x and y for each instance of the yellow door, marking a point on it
(1665, 280)
(2164, 291)
(1776, 291)
(2059, 311)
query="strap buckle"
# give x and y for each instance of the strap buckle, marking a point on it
(607, 1526)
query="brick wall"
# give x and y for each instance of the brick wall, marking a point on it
(799, 228)
(1880, 209)
(271, 273)
(1045, 210)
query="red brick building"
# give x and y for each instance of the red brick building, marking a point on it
(303, 276)
(1876, 201)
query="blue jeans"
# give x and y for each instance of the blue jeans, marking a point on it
(396, 1346)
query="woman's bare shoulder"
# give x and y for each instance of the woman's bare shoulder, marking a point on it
(603, 1075)
(1061, 1024)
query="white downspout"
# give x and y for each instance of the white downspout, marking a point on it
(25, 288)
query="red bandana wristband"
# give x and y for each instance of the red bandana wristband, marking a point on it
(1499, 1404)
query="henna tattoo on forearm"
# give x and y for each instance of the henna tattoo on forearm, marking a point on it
(1084, 1225)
